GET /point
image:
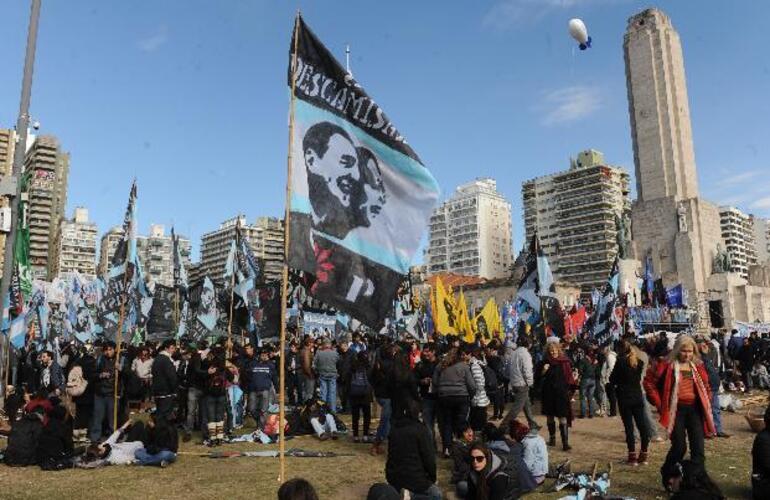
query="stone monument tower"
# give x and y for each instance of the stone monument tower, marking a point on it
(670, 221)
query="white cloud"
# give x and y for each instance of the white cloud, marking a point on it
(506, 14)
(740, 178)
(155, 40)
(761, 203)
(569, 104)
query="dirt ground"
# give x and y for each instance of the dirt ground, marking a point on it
(349, 477)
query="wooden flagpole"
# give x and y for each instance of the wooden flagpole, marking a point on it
(119, 341)
(285, 280)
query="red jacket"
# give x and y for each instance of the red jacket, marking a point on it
(660, 384)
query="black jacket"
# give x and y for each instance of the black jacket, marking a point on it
(497, 480)
(760, 454)
(162, 436)
(425, 369)
(164, 381)
(382, 372)
(411, 460)
(344, 365)
(55, 441)
(105, 385)
(196, 375)
(627, 381)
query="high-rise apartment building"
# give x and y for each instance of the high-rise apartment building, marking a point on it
(738, 233)
(155, 252)
(761, 229)
(268, 246)
(471, 233)
(76, 246)
(49, 169)
(109, 244)
(265, 238)
(574, 213)
(7, 149)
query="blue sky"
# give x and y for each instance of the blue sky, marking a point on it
(189, 96)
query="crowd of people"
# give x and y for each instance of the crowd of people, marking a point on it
(442, 400)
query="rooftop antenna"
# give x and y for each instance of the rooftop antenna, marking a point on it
(347, 59)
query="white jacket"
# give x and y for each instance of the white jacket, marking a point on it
(480, 398)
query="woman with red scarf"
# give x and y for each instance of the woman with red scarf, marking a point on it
(679, 389)
(558, 386)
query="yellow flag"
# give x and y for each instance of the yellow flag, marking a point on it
(464, 326)
(488, 322)
(445, 312)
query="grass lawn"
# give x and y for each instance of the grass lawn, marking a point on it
(192, 477)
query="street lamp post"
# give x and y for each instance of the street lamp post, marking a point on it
(22, 125)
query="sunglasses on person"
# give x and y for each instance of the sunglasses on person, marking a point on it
(478, 458)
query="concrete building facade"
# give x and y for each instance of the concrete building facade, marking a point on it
(265, 238)
(155, 252)
(574, 214)
(76, 246)
(7, 149)
(49, 167)
(107, 247)
(738, 233)
(471, 233)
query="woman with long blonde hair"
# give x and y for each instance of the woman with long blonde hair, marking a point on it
(679, 388)
(626, 377)
(558, 386)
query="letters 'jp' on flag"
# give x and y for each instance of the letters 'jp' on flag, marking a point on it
(360, 196)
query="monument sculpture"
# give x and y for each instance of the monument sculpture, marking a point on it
(681, 214)
(722, 262)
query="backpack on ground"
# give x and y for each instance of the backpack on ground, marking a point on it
(359, 384)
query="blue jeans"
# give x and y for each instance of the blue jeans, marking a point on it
(716, 412)
(432, 493)
(429, 417)
(328, 388)
(145, 458)
(587, 396)
(384, 428)
(103, 408)
(259, 401)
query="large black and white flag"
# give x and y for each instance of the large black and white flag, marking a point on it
(360, 196)
(606, 324)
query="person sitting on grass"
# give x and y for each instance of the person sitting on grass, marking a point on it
(534, 455)
(55, 448)
(461, 466)
(411, 463)
(487, 479)
(161, 444)
(694, 483)
(317, 416)
(760, 455)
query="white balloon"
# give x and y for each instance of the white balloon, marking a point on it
(578, 31)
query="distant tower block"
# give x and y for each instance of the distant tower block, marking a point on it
(659, 109)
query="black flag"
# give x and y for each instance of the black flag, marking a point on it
(360, 196)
